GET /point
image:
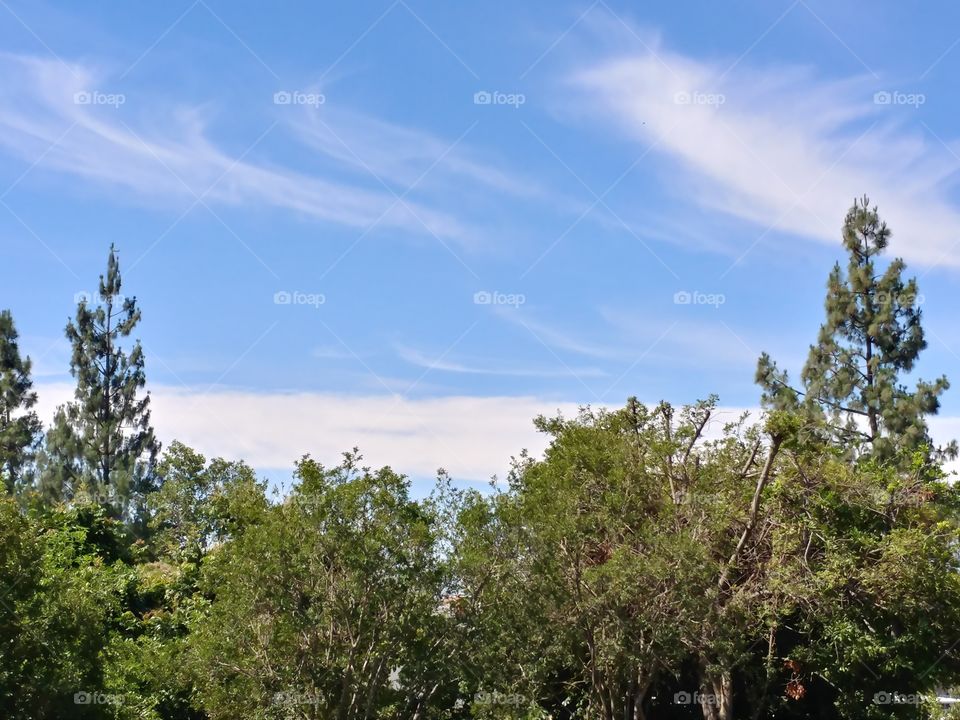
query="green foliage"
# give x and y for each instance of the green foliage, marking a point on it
(192, 509)
(58, 602)
(19, 425)
(146, 661)
(590, 579)
(634, 563)
(102, 445)
(638, 560)
(60, 463)
(326, 606)
(872, 336)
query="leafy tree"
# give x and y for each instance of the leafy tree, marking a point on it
(102, 443)
(199, 507)
(191, 511)
(852, 380)
(145, 658)
(58, 598)
(642, 570)
(19, 425)
(876, 612)
(20, 575)
(612, 576)
(326, 608)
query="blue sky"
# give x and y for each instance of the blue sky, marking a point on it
(477, 212)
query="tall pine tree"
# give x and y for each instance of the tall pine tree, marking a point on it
(19, 425)
(851, 383)
(102, 443)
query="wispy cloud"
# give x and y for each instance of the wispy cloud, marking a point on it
(699, 342)
(332, 352)
(477, 366)
(404, 156)
(560, 339)
(173, 157)
(673, 341)
(780, 147)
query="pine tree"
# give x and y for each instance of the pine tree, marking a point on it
(59, 462)
(102, 443)
(873, 335)
(19, 425)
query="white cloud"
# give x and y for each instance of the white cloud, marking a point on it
(332, 352)
(404, 156)
(473, 438)
(173, 157)
(478, 366)
(943, 429)
(785, 149)
(561, 339)
(703, 342)
(706, 340)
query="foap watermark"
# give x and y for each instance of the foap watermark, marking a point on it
(495, 297)
(912, 497)
(695, 698)
(486, 97)
(904, 299)
(118, 502)
(294, 697)
(499, 698)
(699, 98)
(84, 296)
(295, 297)
(885, 697)
(896, 97)
(92, 697)
(695, 297)
(97, 97)
(298, 97)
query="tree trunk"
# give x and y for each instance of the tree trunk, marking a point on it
(637, 696)
(871, 410)
(716, 694)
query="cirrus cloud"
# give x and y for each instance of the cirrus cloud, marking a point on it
(780, 147)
